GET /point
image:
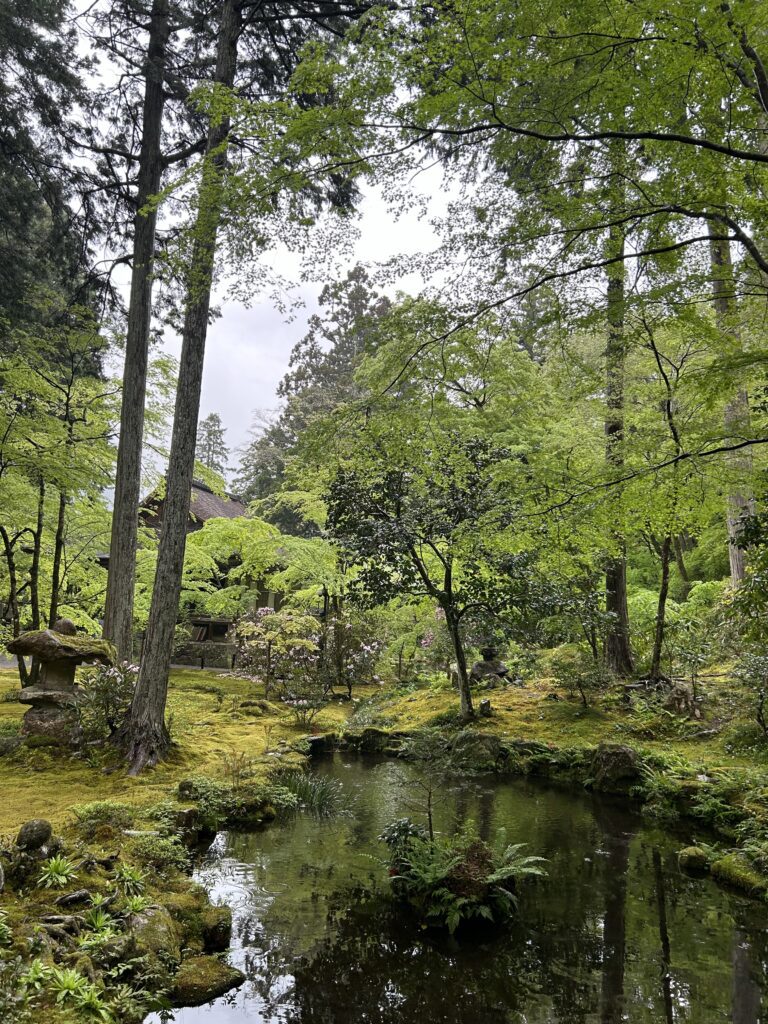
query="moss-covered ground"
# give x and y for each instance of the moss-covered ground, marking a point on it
(211, 724)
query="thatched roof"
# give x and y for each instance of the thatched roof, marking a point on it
(207, 505)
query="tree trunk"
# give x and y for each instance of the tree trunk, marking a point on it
(145, 736)
(465, 696)
(736, 417)
(618, 652)
(681, 566)
(666, 958)
(13, 598)
(118, 612)
(58, 550)
(661, 609)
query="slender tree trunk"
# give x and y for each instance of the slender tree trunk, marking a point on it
(118, 613)
(144, 735)
(465, 696)
(736, 417)
(58, 551)
(681, 566)
(618, 652)
(661, 609)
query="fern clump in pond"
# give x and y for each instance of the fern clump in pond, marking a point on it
(452, 881)
(316, 793)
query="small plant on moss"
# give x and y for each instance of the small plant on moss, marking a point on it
(130, 880)
(91, 817)
(135, 904)
(90, 1003)
(66, 983)
(57, 872)
(6, 935)
(36, 976)
(237, 766)
(97, 919)
(160, 853)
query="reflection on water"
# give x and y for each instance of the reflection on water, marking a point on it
(614, 934)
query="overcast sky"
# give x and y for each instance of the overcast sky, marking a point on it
(248, 348)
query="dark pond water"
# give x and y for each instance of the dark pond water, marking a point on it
(615, 933)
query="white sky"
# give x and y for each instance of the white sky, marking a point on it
(248, 349)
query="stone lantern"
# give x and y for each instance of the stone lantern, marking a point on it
(52, 719)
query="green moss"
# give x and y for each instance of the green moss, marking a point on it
(202, 978)
(693, 859)
(735, 870)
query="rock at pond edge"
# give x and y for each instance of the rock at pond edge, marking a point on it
(203, 978)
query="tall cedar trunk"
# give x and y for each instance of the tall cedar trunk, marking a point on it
(34, 569)
(736, 418)
(144, 735)
(58, 550)
(618, 652)
(34, 576)
(465, 696)
(661, 608)
(118, 613)
(13, 598)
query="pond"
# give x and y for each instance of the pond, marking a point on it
(615, 933)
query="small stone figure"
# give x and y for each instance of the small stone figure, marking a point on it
(52, 719)
(490, 670)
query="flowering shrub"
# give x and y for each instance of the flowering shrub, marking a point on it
(106, 697)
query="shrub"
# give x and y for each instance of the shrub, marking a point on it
(107, 692)
(449, 882)
(91, 817)
(160, 853)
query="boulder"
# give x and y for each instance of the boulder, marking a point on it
(323, 744)
(490, 671)
(478, 750)
(34, 834)
(203, 978)
(615, 768)
(51, 725)
(693, 859)
(154, 931)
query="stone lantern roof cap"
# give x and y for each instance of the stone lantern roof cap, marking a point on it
(48, 645)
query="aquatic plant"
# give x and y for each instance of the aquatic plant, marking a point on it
(317, 793)
(451, 881)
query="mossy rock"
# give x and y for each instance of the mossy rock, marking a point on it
(734, 869)
(694, 860)
(479, 750)
(155, 931)
(615, 768)
(203, 978)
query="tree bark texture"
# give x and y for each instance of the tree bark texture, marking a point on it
(145, 736)
(618, 651)
(736, 417)
(118, 614)
(465, 695)
(661, 609)
(58, 551)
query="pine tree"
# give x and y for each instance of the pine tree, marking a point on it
(211, 448)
